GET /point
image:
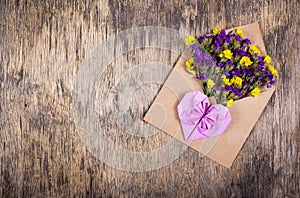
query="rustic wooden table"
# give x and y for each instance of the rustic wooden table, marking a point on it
(43, 44)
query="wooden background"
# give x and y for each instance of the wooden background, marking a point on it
(42, 44)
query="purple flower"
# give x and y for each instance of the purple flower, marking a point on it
(227, 39)
(272, 82)
(207, 63)
(223, 33)
(198, 55)
(245, 88)
(227, 74)
(262, 79)
(217, 47)
(236, 72)
(237, 92)
(220, 64)
(202, 38)
(238, 37)
(207, 57)
(245, 70)
(270, 75)
(247, 54)
(218, 88)
(258, 57)
(240, 52)
(194, 47)
(229, 62)
(228, 88)
(230, 34)
(260, 66)
(250, 73)
(218, 40)
(203, 76)
(247, 41)
(208, 60)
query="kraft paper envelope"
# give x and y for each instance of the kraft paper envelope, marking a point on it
(245, 112)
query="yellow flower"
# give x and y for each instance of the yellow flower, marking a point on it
(210, 83)
(267, 59)
(227, 81)
(237, 80)
(255, 92)
(246, 60)
(227, 54)
(229, 103)
(189, 40)
(240, 32)
(254, 49)
(216, 31)
(189, 63)
(273, 70)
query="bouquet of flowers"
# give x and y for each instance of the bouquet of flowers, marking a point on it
(228, 66)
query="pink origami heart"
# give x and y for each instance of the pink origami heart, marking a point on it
(199, 119)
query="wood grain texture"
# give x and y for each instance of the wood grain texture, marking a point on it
(42, 44)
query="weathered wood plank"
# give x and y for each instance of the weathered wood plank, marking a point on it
(42, 44)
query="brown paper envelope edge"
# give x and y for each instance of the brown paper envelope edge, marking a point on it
(224, 148)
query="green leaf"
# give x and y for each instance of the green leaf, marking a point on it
(191, 71)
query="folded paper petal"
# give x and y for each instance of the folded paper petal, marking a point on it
(201, 120)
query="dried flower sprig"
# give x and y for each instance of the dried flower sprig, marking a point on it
(228, 66)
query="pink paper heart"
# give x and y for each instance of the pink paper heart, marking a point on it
(199, 119)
